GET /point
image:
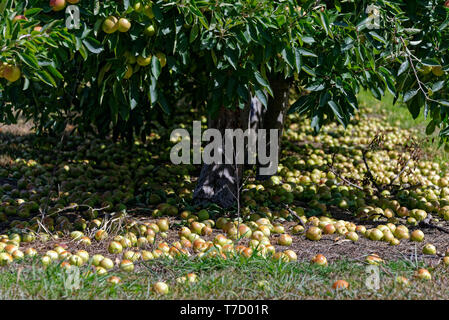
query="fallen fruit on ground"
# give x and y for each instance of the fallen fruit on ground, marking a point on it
(423, 274)
(403, 281)
(161, 288)
(313, 233)
(107, 263)
(340, 285)
(352, 236)
(429, 249)
(285, 240)
(417, 235)
(114, 280)
(127, 265)
(5, 258)
(320, 260)
(374, 259)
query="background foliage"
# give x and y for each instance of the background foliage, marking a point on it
(217, 53)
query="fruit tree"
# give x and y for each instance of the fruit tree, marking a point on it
(115, 66)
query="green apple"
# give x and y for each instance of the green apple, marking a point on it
(429, 249)
(115, 247)
(126, 265)
(417, 235)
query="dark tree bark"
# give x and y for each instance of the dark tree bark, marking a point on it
(220, 183)
(274, 117)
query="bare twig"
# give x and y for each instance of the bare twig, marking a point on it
(77, 206)
(420, 84)
(415, 154)
(369, 174)
(338, 175)
(427, 224)
(293, 213)
(345, 180)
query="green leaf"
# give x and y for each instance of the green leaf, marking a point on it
(443, 102)
(262, 97)
(298, 60)
(231, 57)
(437, 86)
(410, 94)
(45, 77)
(32, 12)
(376, 36)
(308, 40)
(404, 66)
(389, 83)
(261, 80)
(444, 132)
(215, 59)
(163, 104)
(316, 86)
(155, 67)
(126, 4)
(93, 45)
(337, 111)
(325, 23)
(309, 71)
(153, 90)
(3, 6)
(288, 57)
(301, 105)
(317, 120)
(194, 33)
(412, 30)
(82, 50)
(193, 9)
(307, 53)
(430, 128)
(26, 84)
(29, 60)
(414, 107)
(362, 24)
(204, 22)
(324, 98)
(55, 72)
(430, 62)
(113, 107)
(444, 24)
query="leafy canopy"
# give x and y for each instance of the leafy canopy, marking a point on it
(216, 54)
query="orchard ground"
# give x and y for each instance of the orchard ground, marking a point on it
(142, 178)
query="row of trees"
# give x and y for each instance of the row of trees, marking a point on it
(131, 61)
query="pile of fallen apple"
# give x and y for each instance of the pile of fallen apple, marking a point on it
(138, 206)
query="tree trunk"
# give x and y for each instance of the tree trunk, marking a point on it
(220, 183)
(274, 117)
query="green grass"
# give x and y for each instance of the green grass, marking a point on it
(398, 115)
(234, 278)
